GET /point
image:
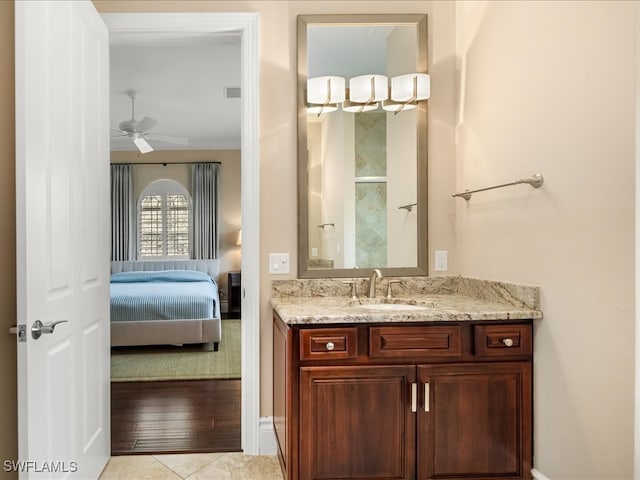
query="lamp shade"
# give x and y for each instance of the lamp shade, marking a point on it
(368, 88)
(239, 239)
(409, 87)
(325, 90)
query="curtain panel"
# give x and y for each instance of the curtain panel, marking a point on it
(205, 195)
(122, 213)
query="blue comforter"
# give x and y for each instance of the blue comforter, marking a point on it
(162, 295)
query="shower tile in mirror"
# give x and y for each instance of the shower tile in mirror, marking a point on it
(371, 144)
(371, 221)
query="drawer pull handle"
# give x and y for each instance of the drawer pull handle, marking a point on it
(330, 346)
(507, 342)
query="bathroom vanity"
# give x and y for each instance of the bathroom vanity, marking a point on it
(434, 383)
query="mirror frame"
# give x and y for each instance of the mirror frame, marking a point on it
(420, 21)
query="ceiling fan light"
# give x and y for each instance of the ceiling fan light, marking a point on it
(324, 90)
(368, 88)
(409, 87)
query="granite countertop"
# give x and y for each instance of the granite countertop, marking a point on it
(431, 299)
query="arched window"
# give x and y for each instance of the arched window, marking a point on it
(164, 220)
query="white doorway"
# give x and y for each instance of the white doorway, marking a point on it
(247, 25)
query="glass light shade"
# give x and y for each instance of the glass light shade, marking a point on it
(320, 109)
(239, 239)
(409, 87)
(368, 88)
(397, 107)
(351, 107)
(323, 90)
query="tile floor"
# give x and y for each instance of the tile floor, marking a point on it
(196, 466)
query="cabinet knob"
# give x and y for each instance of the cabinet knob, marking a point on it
(330, 346)
(507, 342)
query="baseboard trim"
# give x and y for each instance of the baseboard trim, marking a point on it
(538, 476)
(268, 444)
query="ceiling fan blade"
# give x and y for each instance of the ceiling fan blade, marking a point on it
(146, 124)
(142, 144)
(117, 133)
(168, 138)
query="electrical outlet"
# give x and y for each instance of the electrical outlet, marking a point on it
(279, 263)
(441, 261)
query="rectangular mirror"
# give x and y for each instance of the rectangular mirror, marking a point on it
(362, 145)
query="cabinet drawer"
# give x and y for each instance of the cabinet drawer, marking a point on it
(328, 343)
(503, 340)
(422, 341)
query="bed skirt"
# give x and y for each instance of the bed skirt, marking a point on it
(163, 332)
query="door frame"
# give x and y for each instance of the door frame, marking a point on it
(247, 25)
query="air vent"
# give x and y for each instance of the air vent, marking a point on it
(231, 92)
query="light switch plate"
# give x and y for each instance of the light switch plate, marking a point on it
(279, 263)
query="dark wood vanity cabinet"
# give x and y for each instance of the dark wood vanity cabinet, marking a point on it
(403, 401)
(354, 422)
(478, 422)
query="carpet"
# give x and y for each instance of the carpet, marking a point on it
(149, 363)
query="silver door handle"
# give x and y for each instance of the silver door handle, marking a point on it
(38, 328)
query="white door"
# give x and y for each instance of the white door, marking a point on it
(62, 207)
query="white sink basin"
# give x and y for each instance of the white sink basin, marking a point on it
(392, 306)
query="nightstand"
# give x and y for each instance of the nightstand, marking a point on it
(234, 294)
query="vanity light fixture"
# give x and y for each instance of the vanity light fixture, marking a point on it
(320, 109)
(365, 92)
(397, 107)
(324, 94)
(352, 107)
(406, 91)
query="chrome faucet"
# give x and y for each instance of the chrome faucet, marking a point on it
(375, 275)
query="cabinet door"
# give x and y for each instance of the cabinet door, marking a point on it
(476, 422)
(357, 422)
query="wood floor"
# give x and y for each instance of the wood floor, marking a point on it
(188, 416)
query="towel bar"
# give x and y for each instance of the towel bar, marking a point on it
(535, 181)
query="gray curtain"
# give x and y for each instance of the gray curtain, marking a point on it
(205, 193)
(122, 217)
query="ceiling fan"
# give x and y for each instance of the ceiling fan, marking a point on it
(138, 132)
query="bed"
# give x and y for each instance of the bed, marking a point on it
(165, 302)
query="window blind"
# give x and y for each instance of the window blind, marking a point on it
(164, 226)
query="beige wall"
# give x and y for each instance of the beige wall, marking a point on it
(230, 219)
(8, 390)
(549, 87)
